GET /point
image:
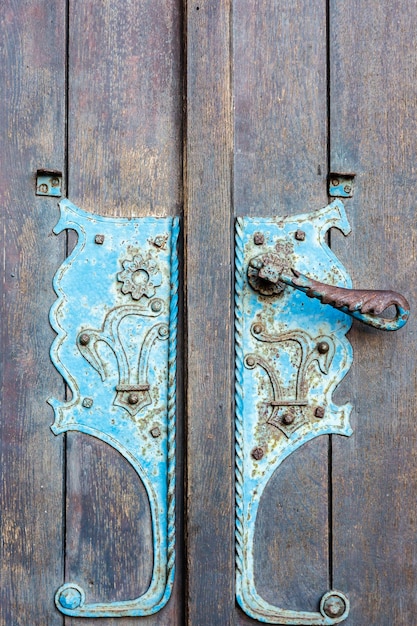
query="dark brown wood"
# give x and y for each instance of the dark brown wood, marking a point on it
(125, 106)
(208, 229)
(280, 97)
(32, 116)
(125, 129)
(280, 167)
(259, 127)
(374, 134)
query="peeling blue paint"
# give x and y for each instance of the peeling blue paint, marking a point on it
(290, 357)
(118, 289)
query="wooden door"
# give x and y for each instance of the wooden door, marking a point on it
(209, 110)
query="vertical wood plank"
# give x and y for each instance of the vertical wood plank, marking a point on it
(280, 168)
(32, 105)
(125, 130)
(125, 125)
(209, 231)
(374, 134)
(280, 97)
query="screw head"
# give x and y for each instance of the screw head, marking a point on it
(250, 361)
(300, 235)
(99, 239)
(88, 403)
(323, 347)
(335, 182)
(163, 331)
(155, 432)
(156, 306)
(288, 419)
(257, 329)
(347, 188)
(133, 398)
(334, 606)
(55, 182)
(258, 239)
(257, 454)
(319, 412)
(159, 241)
(84, 339)
(43, 188)
(70, 598)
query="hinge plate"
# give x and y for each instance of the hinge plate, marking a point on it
(116, 324)
(289, 360)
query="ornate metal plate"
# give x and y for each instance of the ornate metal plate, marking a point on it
(290, 356)
(116, 324)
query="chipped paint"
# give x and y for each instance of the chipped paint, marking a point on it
(116, 317)
(290, 356)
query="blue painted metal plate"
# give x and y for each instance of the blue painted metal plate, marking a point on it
(116, 324)
(291, 353)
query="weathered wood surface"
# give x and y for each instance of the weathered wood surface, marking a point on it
(280, 168)
(258, 132)
(125, 106)
(124, 147)
(374, 134)
(32, 120)
(208, 231)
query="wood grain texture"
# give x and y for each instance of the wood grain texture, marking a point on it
(125, 90)
(280, 97)
(280, 168)
(32, 103)
(374, 135)
(209, 231)
(125, 158)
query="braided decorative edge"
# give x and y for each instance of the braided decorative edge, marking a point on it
(239, 286)
(172, 398)
(171, 416)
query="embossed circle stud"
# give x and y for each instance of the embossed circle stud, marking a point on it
(288, 419)
(319, 412)
(84, 339)
(163, 331)
(323, 347)
(257, 454)
(257, 329)
(156, 306)
(159, 241)
(133, 398)
(70, 596)
(334, 604)
(250, 361)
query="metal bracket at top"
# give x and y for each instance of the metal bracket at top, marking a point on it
(116, 324)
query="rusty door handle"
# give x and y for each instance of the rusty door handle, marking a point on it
(362, 304)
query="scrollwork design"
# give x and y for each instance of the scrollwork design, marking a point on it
(130, 346)
(303, 365)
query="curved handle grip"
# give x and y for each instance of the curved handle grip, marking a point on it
(362, 304)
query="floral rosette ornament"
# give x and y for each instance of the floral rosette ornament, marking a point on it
(140, 277)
